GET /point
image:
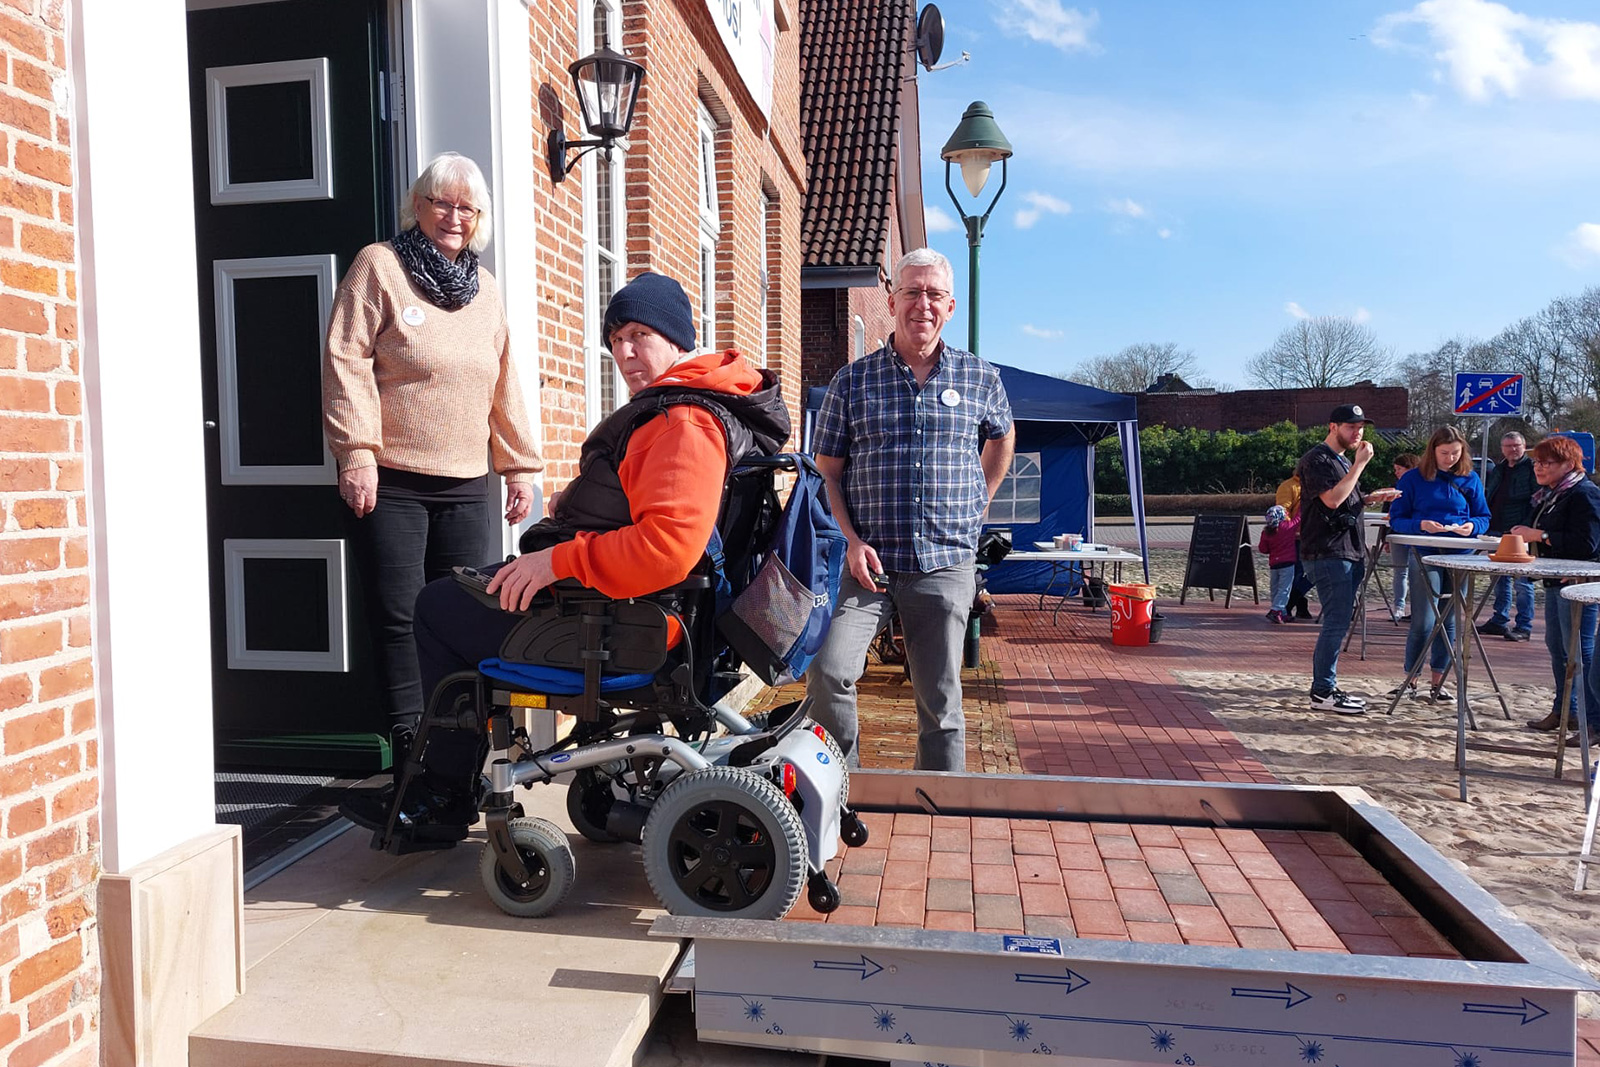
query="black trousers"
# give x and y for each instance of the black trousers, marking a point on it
(420, 528)
(455, 632)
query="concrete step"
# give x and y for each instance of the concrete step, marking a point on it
(359, 959)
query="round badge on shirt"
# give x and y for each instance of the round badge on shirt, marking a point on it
(950, 398)
(412, 316)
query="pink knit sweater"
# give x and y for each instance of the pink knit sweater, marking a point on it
(411, 386)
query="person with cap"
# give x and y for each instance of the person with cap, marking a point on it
(912, 440)
(637, 518)
(1333, 547)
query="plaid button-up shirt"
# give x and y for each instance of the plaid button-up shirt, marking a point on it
(912, 476)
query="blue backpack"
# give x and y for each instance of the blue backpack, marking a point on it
(777, 621)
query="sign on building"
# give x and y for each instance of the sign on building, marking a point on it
(749, 33)
(1488, 394)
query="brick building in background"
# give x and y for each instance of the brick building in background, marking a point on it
(864, 200)
(125, 658)
(1256, 409)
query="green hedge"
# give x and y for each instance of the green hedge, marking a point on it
(1190, 461)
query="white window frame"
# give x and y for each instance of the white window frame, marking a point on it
(710, 224)
(336, 657)
(768, 203)
(1003, 509)
(224, 273)
(314, 72)
(596, 358)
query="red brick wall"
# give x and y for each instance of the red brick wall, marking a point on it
(49, 758)
(1256, 409)
(685, 64)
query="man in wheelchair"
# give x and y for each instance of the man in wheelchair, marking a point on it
(637, 519)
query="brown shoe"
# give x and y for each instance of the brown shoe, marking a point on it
(1546, 724)
(1572, 740)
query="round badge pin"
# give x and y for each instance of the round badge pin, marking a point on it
(949, 398)
(412, 316)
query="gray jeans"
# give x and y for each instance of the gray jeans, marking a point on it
(933, 617)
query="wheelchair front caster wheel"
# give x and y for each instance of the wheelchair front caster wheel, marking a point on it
(545, 852)
(852, 830)
(821, 893)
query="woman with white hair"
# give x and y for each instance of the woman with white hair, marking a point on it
(420, 397)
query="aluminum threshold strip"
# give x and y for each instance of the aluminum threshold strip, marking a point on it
(981, 999)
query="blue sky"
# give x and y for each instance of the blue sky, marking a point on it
(1204, 172)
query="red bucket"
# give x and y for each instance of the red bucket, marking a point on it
(1132, 608)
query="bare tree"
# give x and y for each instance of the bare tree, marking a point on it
(1320, 353)
(1539, 349)
(1137, 367)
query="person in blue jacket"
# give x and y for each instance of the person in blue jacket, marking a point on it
(1443, 497)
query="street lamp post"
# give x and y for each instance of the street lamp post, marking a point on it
(974, 146)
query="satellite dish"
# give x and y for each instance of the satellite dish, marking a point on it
(930, 36)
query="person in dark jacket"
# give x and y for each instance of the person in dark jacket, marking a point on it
(1565, 524)
(637, 518)
(1509, 488)
(1441, 497)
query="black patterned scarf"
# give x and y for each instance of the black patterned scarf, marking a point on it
(447, 285)
(1549, 494)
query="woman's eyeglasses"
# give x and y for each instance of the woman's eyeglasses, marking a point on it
(442, 208)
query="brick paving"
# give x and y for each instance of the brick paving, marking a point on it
(1193, 885)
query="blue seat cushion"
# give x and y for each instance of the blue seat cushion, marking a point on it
(555, 680)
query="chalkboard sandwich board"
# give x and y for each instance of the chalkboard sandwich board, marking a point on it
(1220, 557)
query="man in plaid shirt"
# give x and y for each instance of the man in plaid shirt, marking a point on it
(913, 441)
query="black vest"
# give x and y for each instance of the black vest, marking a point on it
(594, 500)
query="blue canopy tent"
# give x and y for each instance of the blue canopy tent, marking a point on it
(1058, 424)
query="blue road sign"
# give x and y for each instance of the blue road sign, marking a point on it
(1488, 394)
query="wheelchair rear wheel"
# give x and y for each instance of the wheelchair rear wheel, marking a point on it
(548, 857)
(589, 797)
(724, 841)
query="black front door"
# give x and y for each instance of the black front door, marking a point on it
(292, 177)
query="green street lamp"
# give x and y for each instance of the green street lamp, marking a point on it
(974, 147)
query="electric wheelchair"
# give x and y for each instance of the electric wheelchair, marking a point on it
(733, 816)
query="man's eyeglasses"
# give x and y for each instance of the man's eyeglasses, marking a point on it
(442, 208)
(934, 296)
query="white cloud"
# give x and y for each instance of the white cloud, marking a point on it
(1327, 140)
(1362, 316)
(1127, 207)
(1040, 205)
(1163, 233)
(1043, 334)
(1296, 311)
(938, 220)
(1047, 21)
(1484, 49)
(1582, 246)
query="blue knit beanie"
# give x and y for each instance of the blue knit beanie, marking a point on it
(655, 301)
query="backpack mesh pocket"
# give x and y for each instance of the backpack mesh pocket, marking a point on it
(775, 607)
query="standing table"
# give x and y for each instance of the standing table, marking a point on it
(1579, 595)
(1476, 544)
(1064, 562)
(1464, 570)
(1375, 553)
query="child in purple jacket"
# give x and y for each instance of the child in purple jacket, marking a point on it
(1279, 543)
